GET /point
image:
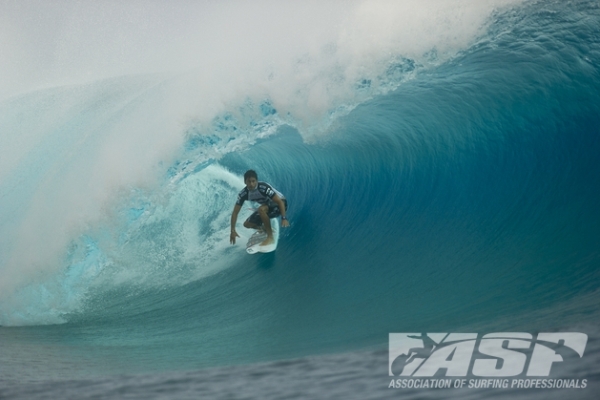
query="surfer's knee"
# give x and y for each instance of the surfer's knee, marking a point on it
(263, 210)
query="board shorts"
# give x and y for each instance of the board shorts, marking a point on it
(273, 212)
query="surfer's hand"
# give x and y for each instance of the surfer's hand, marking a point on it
(285, 223)
(232, 236)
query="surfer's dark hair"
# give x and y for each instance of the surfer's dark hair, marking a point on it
(250, 174)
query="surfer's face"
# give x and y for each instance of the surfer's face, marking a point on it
(251, 183)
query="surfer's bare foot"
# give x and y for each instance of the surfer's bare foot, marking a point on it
(268, 241)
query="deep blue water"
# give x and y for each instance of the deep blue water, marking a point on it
(466, 199)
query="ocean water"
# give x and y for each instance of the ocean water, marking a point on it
(440, 160)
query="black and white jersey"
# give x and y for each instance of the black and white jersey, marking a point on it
(263, 194)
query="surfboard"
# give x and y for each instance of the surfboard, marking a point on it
(253, 246)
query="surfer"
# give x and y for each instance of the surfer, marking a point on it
(271, 204)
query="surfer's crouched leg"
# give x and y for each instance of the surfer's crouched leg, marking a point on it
(254, 221)
(263, 211)
(248, 224)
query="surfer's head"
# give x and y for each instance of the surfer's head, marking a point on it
(251, 179)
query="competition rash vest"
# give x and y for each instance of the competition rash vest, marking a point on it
(263, 194)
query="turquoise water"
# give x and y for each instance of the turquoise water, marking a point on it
(461, 196)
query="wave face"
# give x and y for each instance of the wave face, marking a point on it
(454, 191)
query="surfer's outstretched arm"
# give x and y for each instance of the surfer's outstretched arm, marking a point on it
(233, 235)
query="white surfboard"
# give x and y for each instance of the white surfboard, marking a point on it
(253, 246)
